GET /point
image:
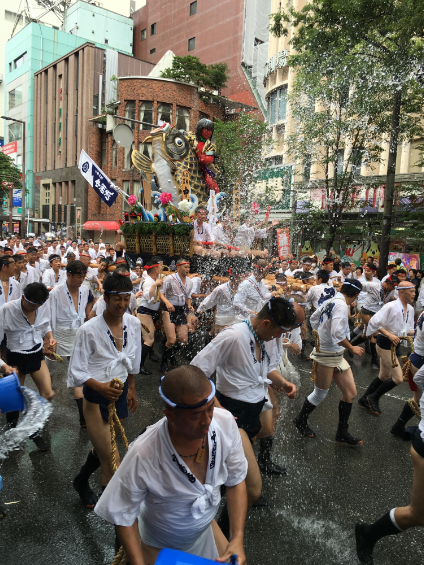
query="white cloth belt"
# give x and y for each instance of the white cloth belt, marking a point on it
(211, 497)
(78, 321)
(35, 334)
(262, 381)
(113, 366)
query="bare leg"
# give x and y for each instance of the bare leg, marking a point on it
(413, 515)
(148, 338)
(169, 329)
(182, 334)
(253, 478)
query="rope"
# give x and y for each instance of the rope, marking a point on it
(415, 408)
(315, 335)
(160, 276)
(120, 557)
(407, 365)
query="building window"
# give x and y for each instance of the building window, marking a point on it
(15, 97)
(153, 29)
(146, 115)
(106, 41)
(143, 34)
(114, 154)
(95, 104)
(193, 8)
(192, 44)
(125, 188)
(277, 105)
(165, 113)
(128, 152)
(15, 132)
(340, 161)
(152, 51)
(20, 60)
(136, 189)
(130, 112)
(103, 153)
(183, 119)
(145, 149)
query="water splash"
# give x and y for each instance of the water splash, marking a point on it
(35, 415)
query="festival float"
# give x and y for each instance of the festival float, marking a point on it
(182, 175)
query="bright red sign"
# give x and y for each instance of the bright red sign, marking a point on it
(10, 148)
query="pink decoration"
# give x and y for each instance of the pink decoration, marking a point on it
(165, 198)
(255, 208)
(132, 200)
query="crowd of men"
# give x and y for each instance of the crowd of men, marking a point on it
(106, 312)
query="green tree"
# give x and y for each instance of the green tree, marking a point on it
(190, 69)
(9, 175)
(239, 145)
(388, 33)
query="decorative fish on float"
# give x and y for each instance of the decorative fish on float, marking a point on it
(172, 154)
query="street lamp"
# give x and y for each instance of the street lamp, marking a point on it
(23, 234)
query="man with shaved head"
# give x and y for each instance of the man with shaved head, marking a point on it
(393, 320)
(167, 490)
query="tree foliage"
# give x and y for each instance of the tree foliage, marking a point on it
(239, 146)
(9, 174)
(190, 69)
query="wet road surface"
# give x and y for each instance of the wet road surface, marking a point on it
(311, 513)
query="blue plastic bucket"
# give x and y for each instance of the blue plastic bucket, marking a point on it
(174, 557)
(11, 398)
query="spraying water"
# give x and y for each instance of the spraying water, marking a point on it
(36, 413)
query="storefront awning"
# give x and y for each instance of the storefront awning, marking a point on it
(98, 226)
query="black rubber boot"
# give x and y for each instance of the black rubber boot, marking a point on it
(172, 359)
(367, 347)
(301, 420)
(266, 466)
(367, 535)
(152, 355)
(12, 419)
(224, 522)
(373, 398)
(3, 512)
(165, 356)
(81, 484)
(375, 360)
(39, 441)
(398, 428)
(342, 435)
(145, 351)
(372, 388)
(357, 340)
(79, 402)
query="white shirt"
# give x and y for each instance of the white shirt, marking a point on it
(44, 265)
(376, 297)
(226, 310)
(17, 248)
(419, 381)
(220, 235)
(21, 335)
(419, 336)
(154, 484)
(22, 280)
(90, 278)
(93, 254)
(74, 251)
(294, 337)
(290, 273)
(49, 278)
(145, 299)
(252, 294)
(62, 308)
(53, 250)
(203, 233)
(392, 318)
(32, 275)
(95, 355)
(319, 293)
(14, 292)
(332, 323)
(232, 354)
(362, 295)
(420, 300)
(175, 291)
(246, 235)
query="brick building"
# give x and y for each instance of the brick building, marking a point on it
(144, 99)
(67, 93)
(223, 31)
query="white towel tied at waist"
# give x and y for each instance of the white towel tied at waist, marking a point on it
(210, 497)
(263, 382)
(78, 322)
(119, 368)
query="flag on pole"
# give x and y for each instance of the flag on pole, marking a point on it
(97, 179)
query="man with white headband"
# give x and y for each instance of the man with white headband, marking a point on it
(26, 323)
(54, 276)
(305, 268)
(166, 492)
(393, 320)
(244, 369)
(252, 293)
(332, 323)
(69, 308)
(106, 347)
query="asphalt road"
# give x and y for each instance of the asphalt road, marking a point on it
(311, 513)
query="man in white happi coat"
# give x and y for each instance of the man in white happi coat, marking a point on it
(252, 293)
(246, 235)
(69, 306)
(106, 347)
(203, 239)
(166, 492)
(55, 275)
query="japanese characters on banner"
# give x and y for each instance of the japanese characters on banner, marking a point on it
(283, 242)
(98, 180)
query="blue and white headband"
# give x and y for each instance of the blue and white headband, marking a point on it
(116, 292)
(188, 406)
(350, 284)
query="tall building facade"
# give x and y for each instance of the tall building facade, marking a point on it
(68, 93)
(234, 32)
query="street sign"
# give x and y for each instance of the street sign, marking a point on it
(17, 197)
(19, 210)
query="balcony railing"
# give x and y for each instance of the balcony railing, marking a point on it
(276, 62)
